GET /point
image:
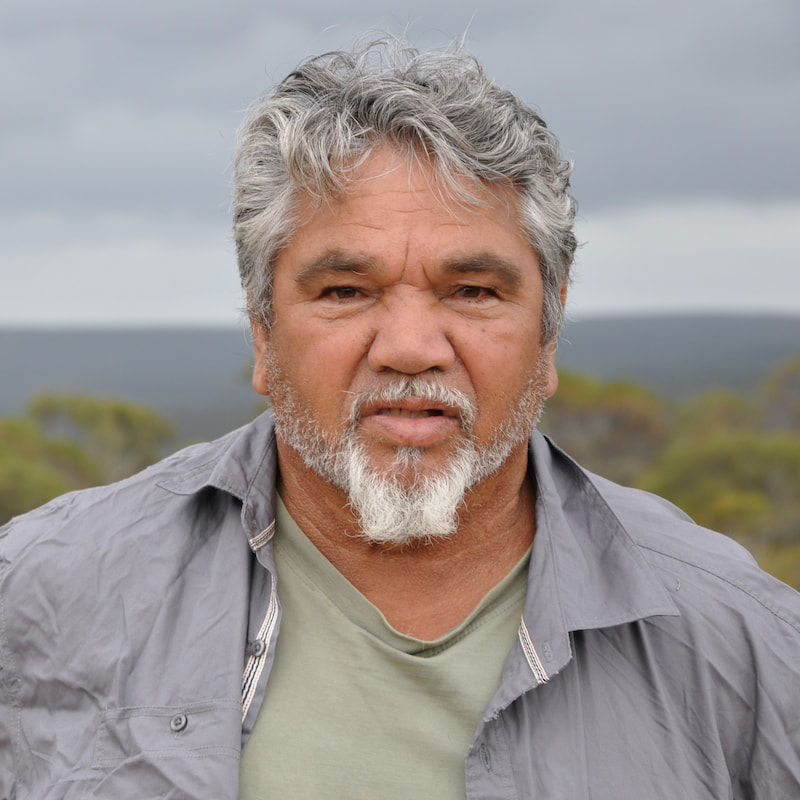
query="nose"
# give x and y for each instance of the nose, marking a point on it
(411, 336)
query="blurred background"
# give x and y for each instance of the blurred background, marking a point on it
(121, 334)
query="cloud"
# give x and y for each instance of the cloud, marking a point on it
(120, 119)
(126, 275)
(701, 256)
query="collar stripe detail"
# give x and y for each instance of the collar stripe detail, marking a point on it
(257, 542)
(255, 664)
(530, 654)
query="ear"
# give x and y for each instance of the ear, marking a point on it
(551, 383)
(260, 349)
(551, 375)
(564, 296)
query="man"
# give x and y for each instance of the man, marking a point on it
(391, 586)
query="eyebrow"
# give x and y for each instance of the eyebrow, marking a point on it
(336, 262)
(506, 272)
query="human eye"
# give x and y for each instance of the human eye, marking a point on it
(475, 293)
(341, 293)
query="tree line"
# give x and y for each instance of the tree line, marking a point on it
(732, 462)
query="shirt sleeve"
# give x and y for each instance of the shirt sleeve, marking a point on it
(771, 768)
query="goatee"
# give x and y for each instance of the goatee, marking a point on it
(403, 504)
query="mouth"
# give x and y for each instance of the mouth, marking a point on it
(414, 422)
(410, 413)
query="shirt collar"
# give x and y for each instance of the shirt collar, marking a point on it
(586, 571)
(244, 463)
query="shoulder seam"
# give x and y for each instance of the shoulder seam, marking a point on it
(773, 609)
(9, 682)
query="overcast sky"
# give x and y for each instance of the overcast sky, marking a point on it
(119, 122)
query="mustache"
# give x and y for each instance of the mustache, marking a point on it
(415, 388)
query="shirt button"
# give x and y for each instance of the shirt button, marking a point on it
(257, 647)
(178, 723)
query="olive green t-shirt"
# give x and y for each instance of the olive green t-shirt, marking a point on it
(355, 709)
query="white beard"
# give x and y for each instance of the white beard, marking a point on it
(401, 506)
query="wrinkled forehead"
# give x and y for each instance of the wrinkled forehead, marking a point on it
(454, 191)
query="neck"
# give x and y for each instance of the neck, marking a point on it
(423, 589)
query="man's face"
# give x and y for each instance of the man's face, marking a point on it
(391, 283)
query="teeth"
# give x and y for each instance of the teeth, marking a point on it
(403, 412)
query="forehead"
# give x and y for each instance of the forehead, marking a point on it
(386, 170)
(394, 201)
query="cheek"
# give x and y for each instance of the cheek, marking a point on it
(321, 364)
(505, 355)
(501, 370)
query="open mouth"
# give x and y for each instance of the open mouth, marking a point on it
(405, 412)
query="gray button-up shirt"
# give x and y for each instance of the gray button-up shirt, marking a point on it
(138, 624)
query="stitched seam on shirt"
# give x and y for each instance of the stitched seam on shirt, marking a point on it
(258, 541)
(496, 608)
(266, 455)
(503, 733)
(156, 754)
(725, 579)
(247, 507)
(198, 707)
(255, 665)
(488, 614)
(531, 655)
(12, 692)
(184, 484)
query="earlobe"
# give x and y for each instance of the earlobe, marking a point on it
(551, 381)
(260, 350)
(552, 374)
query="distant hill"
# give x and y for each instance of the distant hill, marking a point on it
(681, 355)
(197, 377)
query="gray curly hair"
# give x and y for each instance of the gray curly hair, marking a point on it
(335, 109)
